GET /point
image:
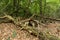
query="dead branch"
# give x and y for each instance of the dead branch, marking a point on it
(48, 18)
(28, 19)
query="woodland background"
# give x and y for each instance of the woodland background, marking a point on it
(26, 8)
(44, 16)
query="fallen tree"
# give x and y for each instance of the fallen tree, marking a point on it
(32, 30)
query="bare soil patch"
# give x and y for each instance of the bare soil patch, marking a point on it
(8, 31)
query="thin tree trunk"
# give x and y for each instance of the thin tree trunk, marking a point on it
(41, 14)
(44, 6)
(15, 6)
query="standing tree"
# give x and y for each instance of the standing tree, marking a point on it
(42, 7)
(41, 14)
(16, 7)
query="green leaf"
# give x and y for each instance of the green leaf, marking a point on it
(14, 34)
(8, 38)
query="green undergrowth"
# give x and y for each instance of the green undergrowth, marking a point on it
(45, 36)
(40, 34)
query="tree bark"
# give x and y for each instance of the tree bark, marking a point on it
(15, 6)
(41, 8)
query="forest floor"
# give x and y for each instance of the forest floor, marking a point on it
(9, 31)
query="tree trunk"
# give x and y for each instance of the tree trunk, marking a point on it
(41, 8)
(15, 6)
